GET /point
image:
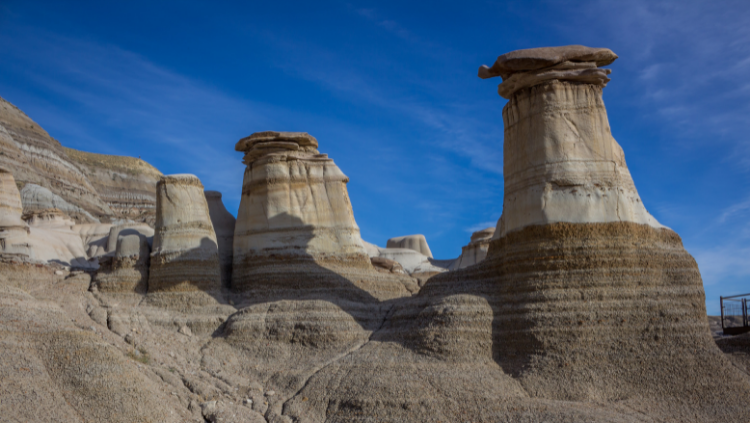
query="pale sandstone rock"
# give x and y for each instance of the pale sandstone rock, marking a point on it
(584, 303)
(127, 270)
(476, 250)
(185, 255)
(116, 231)
(14, 232)
(95, 237)
(36, 198)
(295, 219)
(223, 223)
(417, 243)
(291, 189)
(561, 163)
(53, 239)
(411, 261)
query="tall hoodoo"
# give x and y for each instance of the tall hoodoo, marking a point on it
(594, 285)
(185, 255)
(561, 163)
(13, 230)
(294, 204)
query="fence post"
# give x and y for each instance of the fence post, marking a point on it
(721, 304)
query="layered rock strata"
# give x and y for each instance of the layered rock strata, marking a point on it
(304, 284)
(185, 255)
(570, 168)
(126, 184)
(14, 232)
(476, 250)
(295, 214)
(126, 271)
(36, 158)
(588, 298)
(417, 243)
(223, 223)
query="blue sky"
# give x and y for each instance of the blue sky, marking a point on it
(390, 91)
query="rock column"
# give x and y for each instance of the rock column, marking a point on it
(185, 255)
(14, 231)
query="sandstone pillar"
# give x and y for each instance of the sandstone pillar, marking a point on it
(185, 255)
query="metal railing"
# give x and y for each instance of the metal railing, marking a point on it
(734, 319)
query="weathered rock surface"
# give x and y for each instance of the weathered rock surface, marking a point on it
(223, 223)
(185, 257)
(126, 184)
(36, 158)
(36, 198)
(417, 243)
(54, 238)
(561, 163)
(14, 232)
(127, 270)
(476, 250)
(88, 187)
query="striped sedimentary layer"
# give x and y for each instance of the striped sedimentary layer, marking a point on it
(35, 157)
(295, 214)
(598, 312)
(185, 256)
(126, 184)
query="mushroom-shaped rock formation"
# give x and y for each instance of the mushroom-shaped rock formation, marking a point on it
(586, 297)
(295, 214)
(476, 250)
(561, 163)
(534, 66)
(417, 243)
(223, 223)
(304, 284)
(185, 255)
(14, 231)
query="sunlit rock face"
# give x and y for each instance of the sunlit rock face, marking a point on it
(417, 243)
(583, 296)
(294, 206)
(561, 163)
(185, 255)
(13, 230)
(476, 250)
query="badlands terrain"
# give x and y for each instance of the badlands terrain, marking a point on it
(127, 295)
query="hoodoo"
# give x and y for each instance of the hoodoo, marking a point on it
(185, 255)
(591, 299)
(14, 232)
(295, 219)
